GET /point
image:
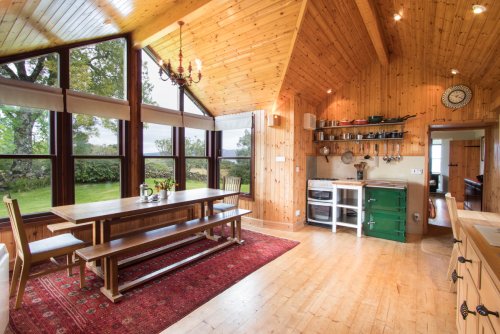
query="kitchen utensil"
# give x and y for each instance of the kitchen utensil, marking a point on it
(398, 155)
(385, 158)
(360, 122)
(376, 155)
(398, 119)
(331, 137)
(324, 151)
(145, 192)
(359, 136)
(375, 119)
(345, 122)
(320, 135)
(381, 135)
(321, 123)
(347, 157)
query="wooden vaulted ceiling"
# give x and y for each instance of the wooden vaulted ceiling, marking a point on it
(253, 50)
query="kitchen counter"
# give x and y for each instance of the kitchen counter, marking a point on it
(394, 184)
(350, 182)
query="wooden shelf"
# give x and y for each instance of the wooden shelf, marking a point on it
(359, 126)
(345, 140)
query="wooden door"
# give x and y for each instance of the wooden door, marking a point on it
(464, 163)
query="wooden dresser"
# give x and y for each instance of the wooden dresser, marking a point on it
(477, 275)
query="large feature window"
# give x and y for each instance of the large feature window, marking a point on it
(196, 158)
(159, 161)
(235, 156)
(26, 155)
(155, 91)
(97, 161)
(100, 69)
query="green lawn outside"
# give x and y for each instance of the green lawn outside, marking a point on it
(38, 200)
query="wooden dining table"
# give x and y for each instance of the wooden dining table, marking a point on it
(106, 213)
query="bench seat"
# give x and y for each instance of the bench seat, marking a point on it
(110, 251)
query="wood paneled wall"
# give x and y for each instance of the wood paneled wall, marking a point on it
(405, 87)
(280, 185)
(408, 87)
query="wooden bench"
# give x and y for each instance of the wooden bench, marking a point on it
(180, 234)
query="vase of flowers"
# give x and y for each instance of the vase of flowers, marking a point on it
(163, 187)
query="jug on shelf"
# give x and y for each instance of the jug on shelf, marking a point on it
(145, 191)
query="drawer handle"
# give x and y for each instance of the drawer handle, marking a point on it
(482, 310)
(456, 240)
(372, 200)
(455, 277)
(462, 259)
(464, 311)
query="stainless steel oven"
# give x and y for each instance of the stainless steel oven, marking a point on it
(320, 212)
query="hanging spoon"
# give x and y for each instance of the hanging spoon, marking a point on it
(398, 157)
(385, 158)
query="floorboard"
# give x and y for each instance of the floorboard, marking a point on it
(334, 283)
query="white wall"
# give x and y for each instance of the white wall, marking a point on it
(445, 161)
(395, 170)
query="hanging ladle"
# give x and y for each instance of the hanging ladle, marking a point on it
(385, 158)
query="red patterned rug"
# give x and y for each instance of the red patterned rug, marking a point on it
(55, 303)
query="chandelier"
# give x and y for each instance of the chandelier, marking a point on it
(180, 78)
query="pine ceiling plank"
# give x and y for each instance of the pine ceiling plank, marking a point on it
(166, 23)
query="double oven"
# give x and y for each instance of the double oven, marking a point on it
(320, 201)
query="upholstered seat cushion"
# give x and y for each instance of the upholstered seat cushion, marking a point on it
(224, 206)
(55, 246)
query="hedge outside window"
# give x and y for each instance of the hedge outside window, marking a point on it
(196, 159)
(235, 156)
(159, 162)
(25, 154)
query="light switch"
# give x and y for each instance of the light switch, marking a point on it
(280, 158)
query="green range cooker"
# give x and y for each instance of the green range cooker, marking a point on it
(385, 210)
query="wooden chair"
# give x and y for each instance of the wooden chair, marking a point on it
(232, 183)
(453, 212)
(29, 253)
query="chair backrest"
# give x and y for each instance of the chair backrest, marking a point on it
(17, 224)
(453, 211)
(232, 183)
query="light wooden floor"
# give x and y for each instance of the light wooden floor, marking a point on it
(334, 283)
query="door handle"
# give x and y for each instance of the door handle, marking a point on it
(453, 165)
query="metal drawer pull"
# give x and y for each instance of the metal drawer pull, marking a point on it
(482, 310)
(455, 277)
(464, 311)
(372, 200)
(456, 240)
(462, 259)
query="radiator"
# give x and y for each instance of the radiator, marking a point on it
(4, 287)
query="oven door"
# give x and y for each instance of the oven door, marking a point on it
(320, 194)
(320, 212)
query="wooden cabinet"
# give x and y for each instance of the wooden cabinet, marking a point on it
(478, 296)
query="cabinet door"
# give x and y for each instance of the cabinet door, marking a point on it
(386, 225)
(385, 199)
(461, 294)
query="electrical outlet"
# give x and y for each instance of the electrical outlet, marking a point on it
(416, 217)
(297, 213)
(417, 171)
(297, 169)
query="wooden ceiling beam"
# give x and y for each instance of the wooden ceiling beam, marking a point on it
(165, 23)
(369, 14)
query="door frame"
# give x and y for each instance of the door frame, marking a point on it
(428, 144)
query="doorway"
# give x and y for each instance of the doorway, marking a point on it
(455, 158)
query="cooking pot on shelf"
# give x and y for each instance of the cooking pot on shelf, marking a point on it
(331, 137)
(382, 135)
(396, 134)
(398, 119)
(375, 119)
(320, 135)
(347, 135)
(360, 122)
(359, 136)
(321, 123)
(370, 135)
(345, 122)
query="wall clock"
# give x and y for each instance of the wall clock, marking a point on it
(456, 96)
